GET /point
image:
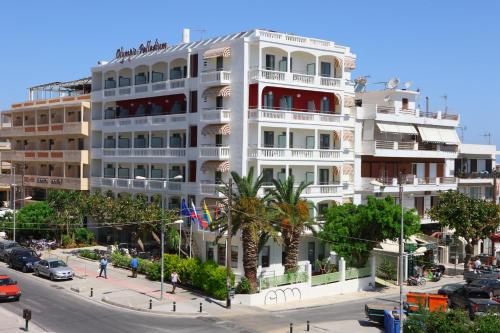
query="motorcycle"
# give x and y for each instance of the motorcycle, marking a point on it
(417, 280)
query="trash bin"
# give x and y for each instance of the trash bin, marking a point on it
(391, 321)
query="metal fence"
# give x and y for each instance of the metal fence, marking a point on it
(280, 280)
(317, 280)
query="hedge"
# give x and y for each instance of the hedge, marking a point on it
(207, 277)
(88, 254)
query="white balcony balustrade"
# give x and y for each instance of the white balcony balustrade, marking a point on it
(216, 77)
(295, 78)
(302, 116)
(144, 152)
(214, 152)
(296, 154)
(216, 115)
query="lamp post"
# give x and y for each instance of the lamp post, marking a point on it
(162, 264)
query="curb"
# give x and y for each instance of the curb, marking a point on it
(173, 314)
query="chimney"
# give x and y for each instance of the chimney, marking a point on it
(427, 104)
(185, 35)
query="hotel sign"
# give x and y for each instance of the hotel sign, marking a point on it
(143, 48)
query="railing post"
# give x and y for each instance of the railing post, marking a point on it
(309, 275)
(342, 269)
(373, 266)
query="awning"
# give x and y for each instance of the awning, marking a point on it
(439, 135)
(220, 52)
(223, 91)
(420, 251)
(393, 128)
(223, 129)
(222, 166)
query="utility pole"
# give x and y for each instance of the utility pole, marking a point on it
(401, 261)
(228, 244)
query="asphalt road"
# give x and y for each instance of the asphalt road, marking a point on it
(62, 312)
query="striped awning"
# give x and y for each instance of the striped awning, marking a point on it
(348, 169)
(213, 129)
(349, 101)
(349, 63)
(223, 91)
(222, 166)
(220, 52)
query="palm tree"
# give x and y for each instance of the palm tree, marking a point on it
(293, 215)
(251, 216)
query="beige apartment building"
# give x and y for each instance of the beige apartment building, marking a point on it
(49, 139)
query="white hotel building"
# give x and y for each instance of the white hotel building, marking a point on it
(277, 102)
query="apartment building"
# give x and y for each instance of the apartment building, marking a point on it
(174, 120)
(48, 135)
(398, 138)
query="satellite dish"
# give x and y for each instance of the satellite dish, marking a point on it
(393, 83)
(387, 98)
(408, 84)
(360, 84)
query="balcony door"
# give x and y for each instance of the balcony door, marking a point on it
(324, 141)
(324, 176)
(270, 61)
(286, 103)
(268, 101)
(326, 69)
(268, 139)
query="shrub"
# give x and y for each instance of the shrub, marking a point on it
(387, 270)
(84, 236)
(243, 286)
(89, 254)
(120, 260)
(66, 241)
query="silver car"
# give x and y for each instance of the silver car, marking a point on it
(54, 269)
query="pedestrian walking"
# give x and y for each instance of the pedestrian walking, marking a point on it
(134, 264)
(103, 265)
(477, 265)
(174, 278)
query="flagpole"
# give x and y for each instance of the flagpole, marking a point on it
(190, 239)
(180, 238)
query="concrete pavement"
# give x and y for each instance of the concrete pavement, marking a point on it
(14, 322)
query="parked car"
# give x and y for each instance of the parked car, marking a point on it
(54, 269)
(9, 289)
(482, 273)
(476, 302)
(5, 247)
(448, 289)
(491, 286)
(23, 258)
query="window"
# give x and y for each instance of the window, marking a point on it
(311, 69)
(322, 208)
(324, 141)
(268, 139)
(265, 256)
(286, 103)
(193, 136)
(234, 256)
(218, 140)
(267, 175)
(156, 142)
(488, 193)
(193, 101)
(219, 102)
(218, 177)
(156, 173)
(311, 106)
(221, 254)
(283, 64)
(404, 103)
(124, 81)
(210, 251)
(123, 173)
(110, 83)
(270, 61)
(434, 200)
(192, 171)
(109, 171)
(481, 165)
(175, 171)
(281, 175)
(141, 78)
(157, 77)
(282, 140)
(193, 60)
(419, 206)
(176, 73)
(123, 143)
(269, 101)
(176, 107)
(326, 69)
(290, 139)
(475, 192)
(140, 141)
(324, 176)
(325, 105)
(311, 252)
(310, 177)
(140, 171)
(175, 140)
(310, 142)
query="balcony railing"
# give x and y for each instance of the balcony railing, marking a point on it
(216, 115)
(414, 112)
(53, 129)
(295, 153)
(413, 180)
(295, 78)
(468, 175)
(77, 156)
(294, 115)
(144, 152)
(214, 152)
(162, 120)
(69, 183)
(415, 146)
(143, 88)
(220, 77)
(320, 190)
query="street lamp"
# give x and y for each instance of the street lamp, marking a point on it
(14, 207)
(162, 264)
(401, 245)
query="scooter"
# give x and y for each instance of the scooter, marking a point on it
(417, 280)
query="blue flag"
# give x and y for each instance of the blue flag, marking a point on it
(185, 211)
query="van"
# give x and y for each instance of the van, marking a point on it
(5, 247)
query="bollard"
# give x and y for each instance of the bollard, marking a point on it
(291, 327)
(201, 307)
(307, 326)
(174, 307)
(91, 292)
(150, 304)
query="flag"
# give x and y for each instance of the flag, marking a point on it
(184, 209)
(216, 211)
(196, 217)
(206, 213)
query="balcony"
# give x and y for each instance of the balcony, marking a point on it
(214, 152)
(412, 116)
(143, 152)
(159, 186)
(213, 190)
(298, 154)
(409, 149)
(411, 184)
(216, 116)
(473, 177)
(68, 156)
(67, 183)
(297, 117)
(77, 128)
(216, 77)
(153, 87)
(335, 189)
(317, 81)
(138, 123)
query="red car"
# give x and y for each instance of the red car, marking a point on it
(9, 289)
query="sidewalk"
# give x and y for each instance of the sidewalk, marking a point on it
(13, 322)
(340, 326)
(120, 289)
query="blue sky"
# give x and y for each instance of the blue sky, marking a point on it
(444, 47)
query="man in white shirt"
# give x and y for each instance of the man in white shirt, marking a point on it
(477, 265)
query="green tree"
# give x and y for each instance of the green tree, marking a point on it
(34, 219)
(293, 215)
(69, 209)
(354, 230)
(251, 216)
(471, 219)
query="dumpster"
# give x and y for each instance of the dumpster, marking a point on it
(391, 321)
(438, 302)
(431, 302)
(416, 301)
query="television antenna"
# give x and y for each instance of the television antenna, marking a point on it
(462, 130)
(393, 83)
(360, 83)
(487, 135)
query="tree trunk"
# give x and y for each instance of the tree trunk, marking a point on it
(469, 250)
(250, 256)
(291, 248)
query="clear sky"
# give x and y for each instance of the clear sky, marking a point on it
(444, 47)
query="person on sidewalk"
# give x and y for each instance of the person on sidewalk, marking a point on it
(174, 278)
(103, 265)
(134, 264)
